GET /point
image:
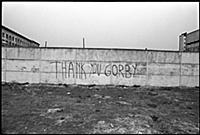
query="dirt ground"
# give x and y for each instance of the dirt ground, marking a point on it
(76, 109)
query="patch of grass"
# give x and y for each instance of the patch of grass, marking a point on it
(28, 108)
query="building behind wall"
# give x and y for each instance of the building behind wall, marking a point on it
(12, 38)
(189, 42)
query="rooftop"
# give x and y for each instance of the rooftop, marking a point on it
(20, 35)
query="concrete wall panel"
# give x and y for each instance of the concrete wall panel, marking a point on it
(48, 66)
(23, 53)
(160, 80)
(3, 68)
(56, 79)
(163, 57)
(128, 55)
(93, 55)
(188, 57)
(3, 52)
(12, 53)
(189, 81)
(101, 79)
(23, 66)
(134, 80)
(3, 79)
(190, 69)
(92, 67)
(22, 77)
(3, 64)
(58, 54)
(75, 67)
(126, 68)
(110, 55)
(164, 69)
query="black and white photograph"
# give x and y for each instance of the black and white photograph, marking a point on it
(71, 67)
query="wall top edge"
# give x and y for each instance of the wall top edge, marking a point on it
(121, 49)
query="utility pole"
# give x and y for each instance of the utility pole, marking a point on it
(45, 43)
(83, 43)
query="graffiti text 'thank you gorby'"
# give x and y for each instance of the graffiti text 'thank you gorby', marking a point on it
(83, 70)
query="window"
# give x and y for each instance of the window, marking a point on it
(9, 37)
(12, 44)
(6, 36)
(12, 38)
(3, 34)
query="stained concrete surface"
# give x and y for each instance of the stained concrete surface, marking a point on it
(100, 66)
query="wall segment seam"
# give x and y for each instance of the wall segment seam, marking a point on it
(5, 64)
(40, 66)
(180, 68)
(147, 76)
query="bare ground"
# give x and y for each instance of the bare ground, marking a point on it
(70, 109)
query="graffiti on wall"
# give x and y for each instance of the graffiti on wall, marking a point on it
(81, 70)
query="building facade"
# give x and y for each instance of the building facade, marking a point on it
(189, 42)
(12, 38)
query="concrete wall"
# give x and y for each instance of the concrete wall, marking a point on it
(100, 66)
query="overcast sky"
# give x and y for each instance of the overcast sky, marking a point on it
(139, 25)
